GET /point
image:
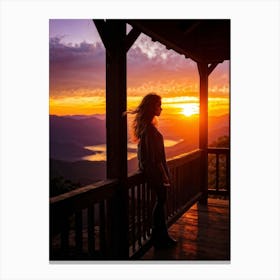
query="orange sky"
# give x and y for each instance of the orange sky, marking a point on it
(77, 74)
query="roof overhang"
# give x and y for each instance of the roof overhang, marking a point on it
(201, 40)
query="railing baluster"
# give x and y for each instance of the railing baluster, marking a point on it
(133, 217)
(144, 210)
(176, 186)
(91, 234)
(173, 196)
(66, 220)
(167, 204)
(171, 199)
(181, 182)
(217, 171)
(220, 173)
(102, 236)
(186, 186)
(65, 235)
(227, 171)
(149, 218)
(177, 189)
(139, 215)
(153, 200)
(78, 232)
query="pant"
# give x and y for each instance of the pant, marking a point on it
(159, 228)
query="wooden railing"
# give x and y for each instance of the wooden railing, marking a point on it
(81, 220)
(184, 192)
(219, 171)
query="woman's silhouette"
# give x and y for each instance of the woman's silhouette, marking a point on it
(152, 161)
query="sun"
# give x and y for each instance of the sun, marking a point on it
(189, 109)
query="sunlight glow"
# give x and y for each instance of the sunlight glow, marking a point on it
(185, 106)
(190, 109)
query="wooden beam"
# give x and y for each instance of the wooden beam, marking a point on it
(203, 120)
(212, 67)
(102, 30)
(116, 127)
(189, 30)
(116, 100)
(203, 128)
(160, 36)
(131, 38)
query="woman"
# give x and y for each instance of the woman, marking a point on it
(152, 162)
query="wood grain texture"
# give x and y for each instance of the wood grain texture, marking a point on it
(203, 233)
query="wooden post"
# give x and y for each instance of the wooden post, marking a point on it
(203, 128)
(204, 71)
(113, 35)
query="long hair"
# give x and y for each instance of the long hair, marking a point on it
(145, 114)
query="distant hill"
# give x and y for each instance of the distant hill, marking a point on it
(188, 129)
(180, 128)
(69, 151)
(81, 131)
(83, 172)
(81, 117)
(70, 134)
(218, 126)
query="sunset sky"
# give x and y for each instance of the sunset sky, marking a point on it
(77, 74)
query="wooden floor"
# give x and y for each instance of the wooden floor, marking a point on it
(203, 233)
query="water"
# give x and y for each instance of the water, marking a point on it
(100, 150)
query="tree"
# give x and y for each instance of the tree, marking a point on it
(221, 142)
(59, 185)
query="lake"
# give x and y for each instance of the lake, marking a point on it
(100, 150)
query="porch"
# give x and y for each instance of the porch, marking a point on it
(202, 232)
(86, 223)
(111, 220)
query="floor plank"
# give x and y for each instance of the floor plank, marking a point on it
(203, 233)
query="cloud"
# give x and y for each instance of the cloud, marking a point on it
(149, 61)
(79, 70)
(74, 67)
(219, 79)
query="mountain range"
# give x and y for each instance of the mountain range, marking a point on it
(69, 135)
